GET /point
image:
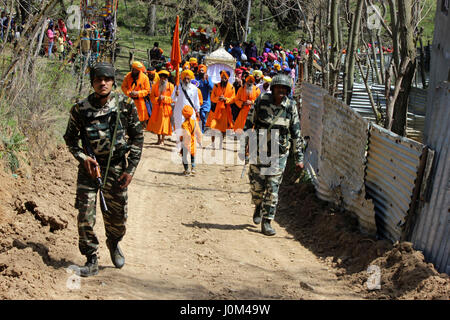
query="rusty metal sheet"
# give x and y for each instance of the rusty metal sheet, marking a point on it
(311, 125)
(392, 169)
(342, 161)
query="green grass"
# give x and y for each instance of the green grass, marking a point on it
(132, 40)
(12, 140)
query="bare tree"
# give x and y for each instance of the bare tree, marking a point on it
(351, 51)
(335, 46)
(408, 57)
(150, 22)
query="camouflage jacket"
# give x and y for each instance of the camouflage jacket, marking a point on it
(264, 114)
(98, 123)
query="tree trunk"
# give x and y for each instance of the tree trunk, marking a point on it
(325, 54)
(376, 75)
(247, 19)
(261, 16)
(395, 34)
(353, 44)
(408, 53)
(335, 48)
(382, 61)
(311, 53)
(376, 70)
(422, 64)
(24, 10)
(150, 23)
(63, 7)
(189, 14)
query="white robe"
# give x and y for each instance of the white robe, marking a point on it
(180, 101)
(260, 86)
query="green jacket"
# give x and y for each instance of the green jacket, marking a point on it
(263, 115)
(98, 124)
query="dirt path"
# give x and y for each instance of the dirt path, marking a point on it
(193, 238)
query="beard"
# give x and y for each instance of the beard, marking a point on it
(162, 86)
(223, 83)
(186, 85)
(248, 89)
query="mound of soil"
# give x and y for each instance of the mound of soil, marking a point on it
(334, 236)
(36, 213)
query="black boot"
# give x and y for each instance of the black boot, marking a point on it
(117, 256)
(266, 228)
(257, 215)
(90, 268)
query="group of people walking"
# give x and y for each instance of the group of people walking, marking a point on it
(112, 124)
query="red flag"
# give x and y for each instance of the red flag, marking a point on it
(175, 54)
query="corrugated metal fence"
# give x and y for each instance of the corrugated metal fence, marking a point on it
(432, 229)
(360, 166)
(416, 107)
(311, 124)
(393, 165)
(341, 164)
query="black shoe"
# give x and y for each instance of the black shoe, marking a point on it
(117, 256)
(257, 215)
(90, 268)
(266, 228)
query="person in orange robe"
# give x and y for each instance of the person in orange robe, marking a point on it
(136, 85)
(161, 98)
(152, 76)
(222, 95)
(245, 98)
(189, 138)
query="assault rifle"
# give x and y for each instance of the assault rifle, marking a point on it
(98, 176)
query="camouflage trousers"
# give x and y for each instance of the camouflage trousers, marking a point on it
(264, 189)
(86, 202)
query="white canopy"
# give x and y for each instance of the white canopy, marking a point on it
(217, 61)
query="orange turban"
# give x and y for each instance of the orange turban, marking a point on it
(202, 67)
(250, 79)
(187, 73)
(224, 73)
(186, 66)
(187, 111)
(139, 66)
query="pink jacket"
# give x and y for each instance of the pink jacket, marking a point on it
(50, 35)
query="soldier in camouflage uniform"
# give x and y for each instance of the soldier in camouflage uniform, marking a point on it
(95, 118)
(273, 111)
